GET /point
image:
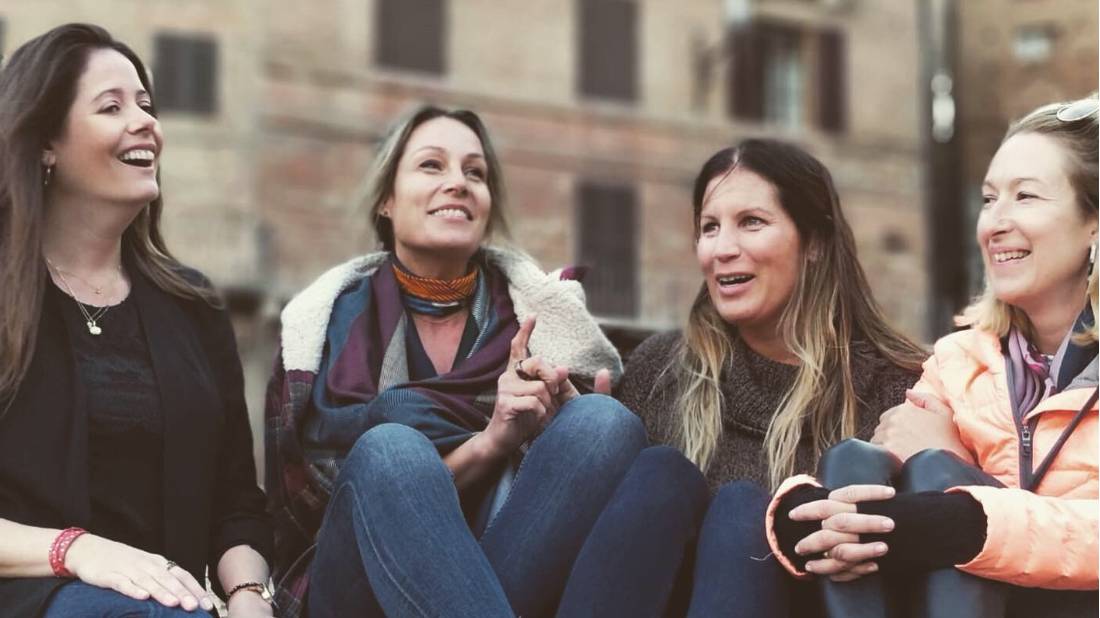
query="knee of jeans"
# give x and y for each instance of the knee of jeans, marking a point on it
(743, 498)
(856, 461)
(932, 469)
(664, 467)
(600, 417)
(661, 481)
(389, 449)
(741, 491)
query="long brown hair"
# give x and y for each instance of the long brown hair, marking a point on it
(37, 87)
(831, 307)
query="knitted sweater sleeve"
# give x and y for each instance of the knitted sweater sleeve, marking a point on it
(646, 386)
(890, 384)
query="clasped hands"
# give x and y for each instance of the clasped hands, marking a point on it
(921, 422)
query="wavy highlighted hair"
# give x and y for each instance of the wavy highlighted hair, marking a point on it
(831, 306)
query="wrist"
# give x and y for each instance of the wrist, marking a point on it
(59, 551)
(253, 590)
(250, 602)
(487, 447)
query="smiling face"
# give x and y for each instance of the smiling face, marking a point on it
(441, 200)
(749, 251)
(1033, 234)
(108, 149)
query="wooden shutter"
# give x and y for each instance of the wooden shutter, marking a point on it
(608, 229)
(832, 92)
(746, 72)
(410, 35)
(186, 73)
(608, 55)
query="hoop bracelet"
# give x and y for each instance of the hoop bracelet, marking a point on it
(257, 587)
(60, 548)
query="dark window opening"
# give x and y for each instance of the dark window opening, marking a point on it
(607, 229)
(608, 55)
(185, 73)
(411, 36)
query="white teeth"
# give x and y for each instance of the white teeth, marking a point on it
(1006, 256)
(734, 279)
(138, 155)
(449, 212)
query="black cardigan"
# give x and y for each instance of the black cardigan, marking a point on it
(211, 500)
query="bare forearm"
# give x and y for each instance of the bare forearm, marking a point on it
(473, 460)
(24, 550)
(240, 565)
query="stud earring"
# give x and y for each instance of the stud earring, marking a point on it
(47, 176)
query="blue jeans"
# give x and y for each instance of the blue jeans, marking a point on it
(394, 540)
(735, 573)
(630, 562)
(79, 600)
(657, 548)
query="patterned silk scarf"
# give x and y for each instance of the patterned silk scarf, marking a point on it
(1034, 378)
(436, 297)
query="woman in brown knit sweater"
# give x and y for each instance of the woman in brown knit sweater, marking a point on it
(785, 353)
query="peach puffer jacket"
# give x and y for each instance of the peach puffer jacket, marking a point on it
(1045, 539)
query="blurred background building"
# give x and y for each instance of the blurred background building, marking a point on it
(602, 112)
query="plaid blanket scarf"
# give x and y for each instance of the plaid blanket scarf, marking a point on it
(343, 343)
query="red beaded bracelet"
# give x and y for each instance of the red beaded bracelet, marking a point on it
(60, 547)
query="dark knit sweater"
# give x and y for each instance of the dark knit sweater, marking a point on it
(752, 387)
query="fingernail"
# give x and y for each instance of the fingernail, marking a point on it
(207, 604)
(798, 549)
(890, 491)
(873, 567)
(888, 525)
(809, 567)
(880, 548)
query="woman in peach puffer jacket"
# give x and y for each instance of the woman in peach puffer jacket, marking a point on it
(979, 494)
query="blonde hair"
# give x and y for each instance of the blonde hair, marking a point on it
(1080, 144)
(830, 307)
(383, 172)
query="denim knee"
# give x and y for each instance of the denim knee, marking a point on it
(741, 502)
(741, 492)
(390, 453)
(596, 418)
(667, 476)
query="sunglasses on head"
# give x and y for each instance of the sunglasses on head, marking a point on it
(1078, 110)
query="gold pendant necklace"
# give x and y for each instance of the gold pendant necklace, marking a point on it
(90, 317)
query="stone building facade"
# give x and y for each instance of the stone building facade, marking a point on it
(602, 112)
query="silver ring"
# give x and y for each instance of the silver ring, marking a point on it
(169, 565)
(826, 554)
(523, 375)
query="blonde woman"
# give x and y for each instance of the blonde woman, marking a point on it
(411, 384)
(784, 354)
(1000, 457)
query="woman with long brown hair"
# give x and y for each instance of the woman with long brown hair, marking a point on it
(785, 353)
(126, 467)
